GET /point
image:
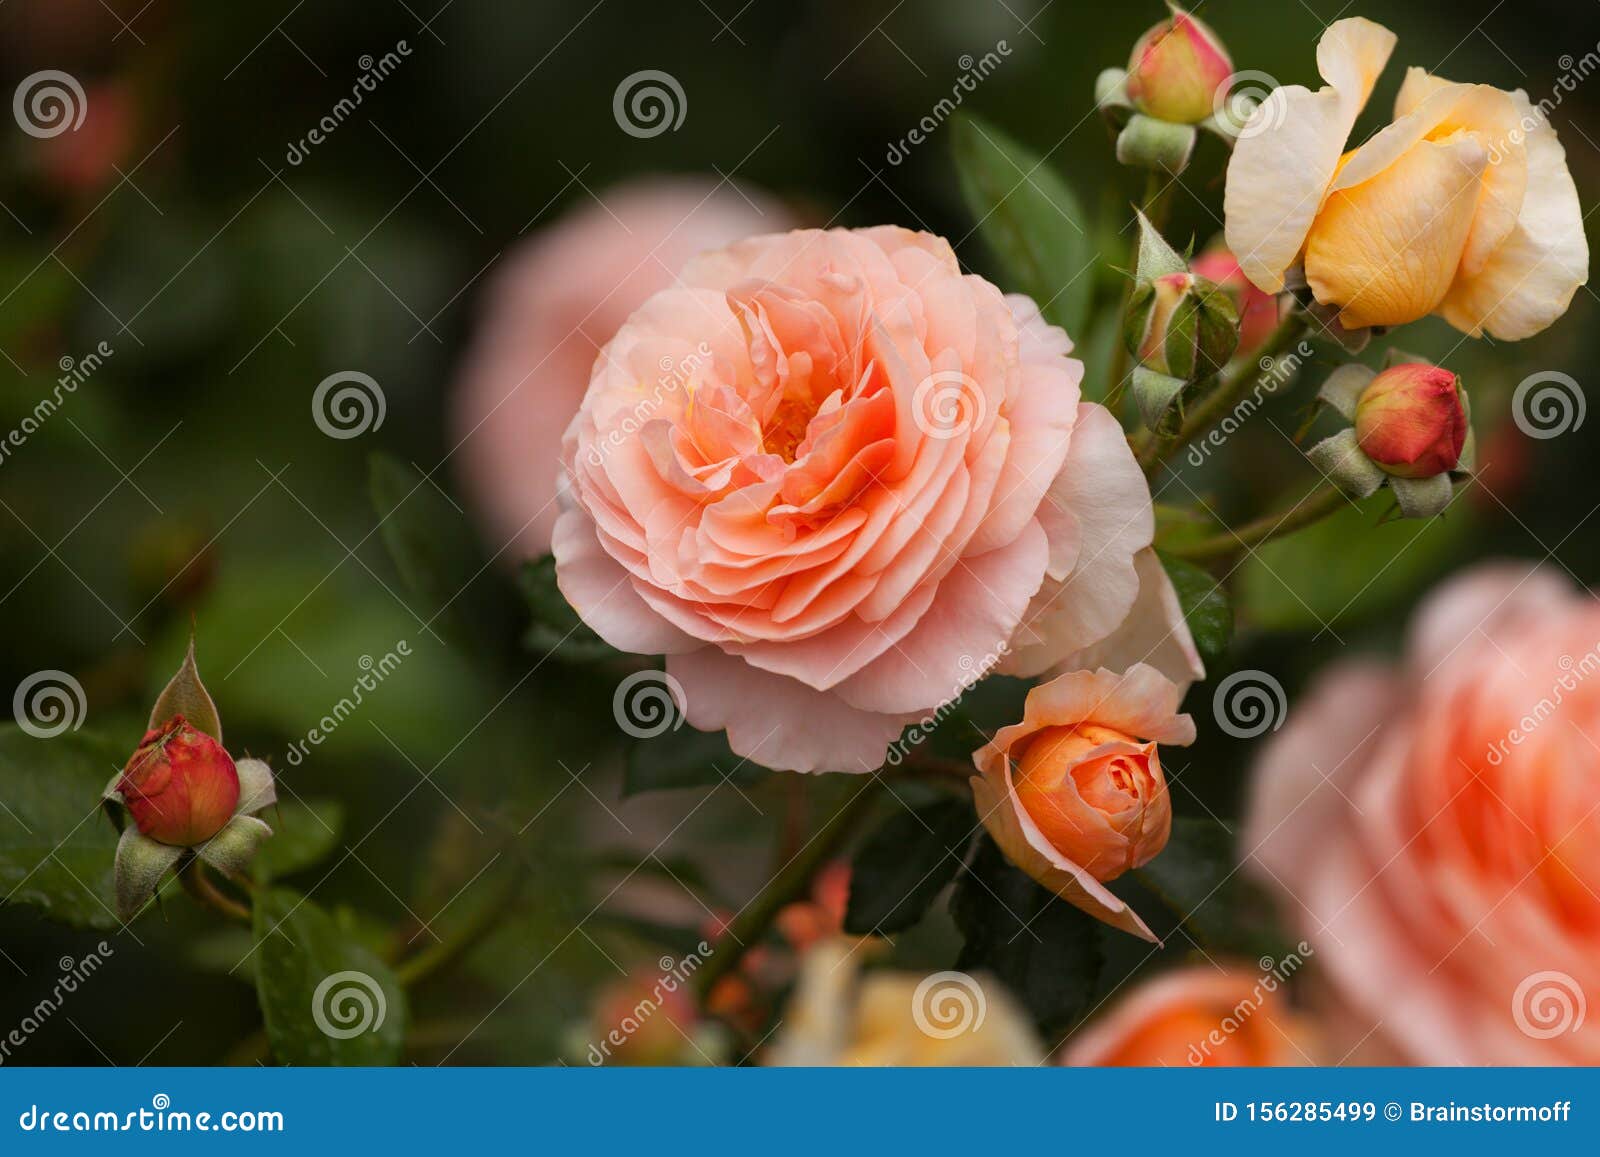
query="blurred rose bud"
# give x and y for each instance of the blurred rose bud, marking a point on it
(1098, 795)
(84, 160)
(1257, 310)
(1073, 794)
(180, 785)
(1182, 325)
(1411, 421)
(1176, 69)
(805, 922)
(644, 1019)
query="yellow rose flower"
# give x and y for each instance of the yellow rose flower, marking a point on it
(840, 1017)
(1462, 206)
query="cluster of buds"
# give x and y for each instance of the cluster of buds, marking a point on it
(1180, 328)
(187, 797)
(1168, 92)
(1410, 430)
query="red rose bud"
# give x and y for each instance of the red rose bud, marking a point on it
(1411, 421)
(1176, 69)
(181, 786)
(1258, 311)
(1181, 325)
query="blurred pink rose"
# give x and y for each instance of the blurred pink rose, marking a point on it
(1205, 1016)
(551, 307)
(1435, 825)
(829, 476)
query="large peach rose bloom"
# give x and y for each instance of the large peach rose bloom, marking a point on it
(1434, 826)
(834, 479)
(549, 309)
(1462, 206)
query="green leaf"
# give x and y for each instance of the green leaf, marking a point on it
(1349, 566)
(1157, 257)
(685, 757)
(1046, 950)
(185, 695)
(1195, 876)
(433, 548)
(1205, 607)
(905, 863)
(1029, 217)
(304, 833)
(56, 850)
(326, 998)
(556, 628)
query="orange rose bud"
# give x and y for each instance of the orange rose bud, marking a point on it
(1097, 795)
(1411, 421)
(1176, 69)
(180, 785)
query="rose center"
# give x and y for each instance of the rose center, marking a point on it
(786, 429)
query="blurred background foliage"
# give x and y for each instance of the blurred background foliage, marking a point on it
(185, 479)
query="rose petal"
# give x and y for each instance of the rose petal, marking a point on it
(778, 722)
(1530, 278)
(1282, 165)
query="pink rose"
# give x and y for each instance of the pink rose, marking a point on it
(1074, 794)
(551, 307)
(1434, 825)
(830, 476)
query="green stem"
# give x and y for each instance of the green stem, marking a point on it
(1157, 197)
(197, 882)
(791, 882)
(1230, 388)
(1315, 506)
(444, 953)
